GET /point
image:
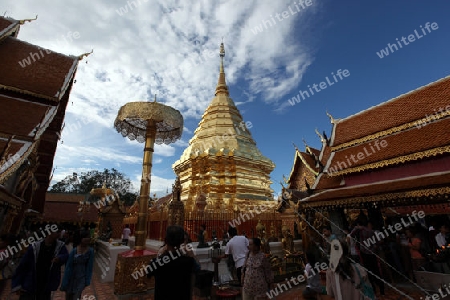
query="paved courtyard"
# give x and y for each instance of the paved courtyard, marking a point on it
(105, 291)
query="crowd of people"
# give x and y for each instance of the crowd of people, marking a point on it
(355, 260)
(390, 256)
(36, 271)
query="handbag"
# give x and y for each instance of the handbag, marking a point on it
(365, 288)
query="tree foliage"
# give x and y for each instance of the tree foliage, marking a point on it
(86, 181)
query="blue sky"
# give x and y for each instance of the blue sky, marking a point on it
(135, 52)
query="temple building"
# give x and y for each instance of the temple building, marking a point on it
(222, 162)
(33, 99)
(389, 160)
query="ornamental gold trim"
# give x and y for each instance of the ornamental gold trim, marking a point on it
(392, 161)
(387, 132)
(298, 154)
(378, 198)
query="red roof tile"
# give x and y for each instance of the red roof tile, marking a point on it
(411, 141)
(67, 212)
(63, 207)
(47, 76)
(400, 110)
(20, 117)
(326, 182)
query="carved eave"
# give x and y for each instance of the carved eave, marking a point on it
(9, 199)
(300, 156)
(404, 190)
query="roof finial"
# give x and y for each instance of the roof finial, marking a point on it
(331, 118)
(308, 149)
(222, 55)
(322, 139)
(85, 55)
(21, 22)
(221, 87)
(295, 146)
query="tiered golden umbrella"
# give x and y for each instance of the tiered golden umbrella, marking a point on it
(149, 122)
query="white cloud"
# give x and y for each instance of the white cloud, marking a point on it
(158, 184)
(164, 47)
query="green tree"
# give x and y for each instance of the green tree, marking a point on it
(86, 181)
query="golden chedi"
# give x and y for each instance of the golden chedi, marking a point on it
(222, 161)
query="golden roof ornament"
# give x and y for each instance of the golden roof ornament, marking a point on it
(21, 22)
(80, 57)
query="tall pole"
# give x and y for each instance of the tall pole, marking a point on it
(141, 231)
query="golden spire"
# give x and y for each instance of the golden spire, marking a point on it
(221, 87)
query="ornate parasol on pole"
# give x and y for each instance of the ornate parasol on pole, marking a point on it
(149, 122)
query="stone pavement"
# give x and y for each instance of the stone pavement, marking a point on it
(105, 291)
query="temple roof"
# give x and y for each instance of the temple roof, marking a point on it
(390, 123)
(303, 159)
(34, 91)
(407, 187)
(404, 146)
(403, 109)
(63, 207)
(25, 72)
(8, 27)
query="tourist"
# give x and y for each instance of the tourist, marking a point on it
(62, 237)
(313, 286)
(367, 253)
(202, 234)
(69, 242)
(354, 250)
(126, 235)
(414, 244)
(257, 277)
(328, 237)
(176, 269)
(237, 246)
(78, 270)
(343, 277)
(443, 236)
(39, 271)
(187, 250)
